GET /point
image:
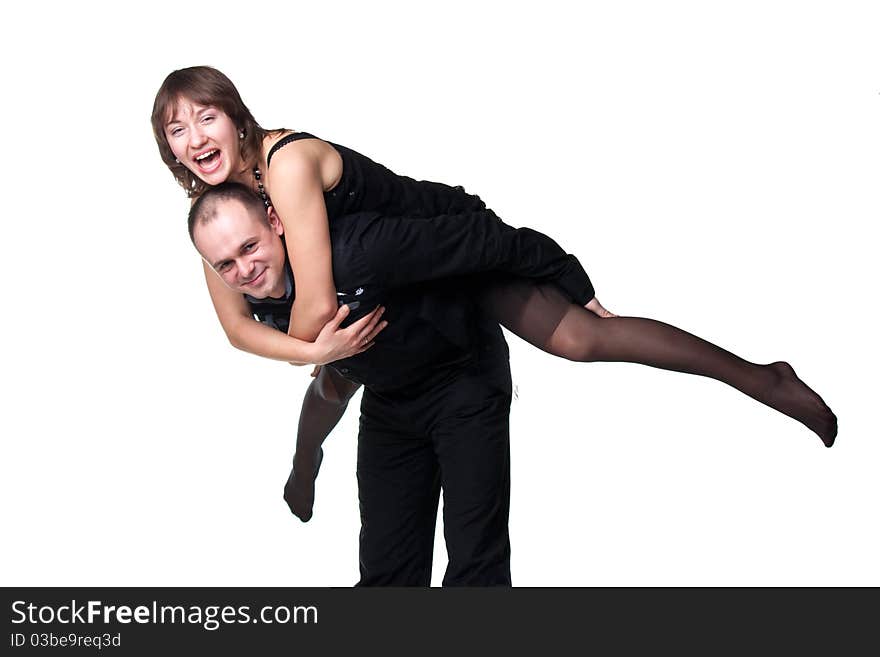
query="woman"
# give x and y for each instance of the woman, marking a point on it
(206, 135)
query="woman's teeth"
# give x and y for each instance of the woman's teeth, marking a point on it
(208, 160)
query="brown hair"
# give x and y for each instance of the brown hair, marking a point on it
(206, 86)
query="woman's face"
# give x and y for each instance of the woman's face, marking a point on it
(205, 140)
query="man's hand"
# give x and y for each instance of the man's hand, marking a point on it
(596, 308)
(334, 343)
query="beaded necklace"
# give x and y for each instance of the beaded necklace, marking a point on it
(262, 192)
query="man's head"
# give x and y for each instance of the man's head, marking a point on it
(240, 240)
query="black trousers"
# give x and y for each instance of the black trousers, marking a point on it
(453, 436)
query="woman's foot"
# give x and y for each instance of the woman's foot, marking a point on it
(299, 492)
(789, 395)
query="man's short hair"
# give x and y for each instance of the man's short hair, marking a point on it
(205, 207)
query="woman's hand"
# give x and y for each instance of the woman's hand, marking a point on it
(334, 343)
(596, 308)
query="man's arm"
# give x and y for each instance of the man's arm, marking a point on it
(403, 251)
(323, 406)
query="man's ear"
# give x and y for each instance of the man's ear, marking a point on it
(275, 221)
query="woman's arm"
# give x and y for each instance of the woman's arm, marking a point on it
(247, 334)
(297, 190)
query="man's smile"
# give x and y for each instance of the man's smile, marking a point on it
(256, 280)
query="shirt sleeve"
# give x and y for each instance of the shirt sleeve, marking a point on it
(400, 251)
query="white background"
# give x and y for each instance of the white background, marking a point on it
(713, 165)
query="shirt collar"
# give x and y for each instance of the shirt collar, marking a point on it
(288, 289)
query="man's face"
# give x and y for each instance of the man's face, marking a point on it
(247, 253)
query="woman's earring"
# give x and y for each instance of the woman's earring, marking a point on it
(241, 134)
(176, 160)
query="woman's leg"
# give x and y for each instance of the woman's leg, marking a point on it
(323, 405)
(543, 316)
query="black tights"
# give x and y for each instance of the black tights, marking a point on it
(544, 317)
(323, 405)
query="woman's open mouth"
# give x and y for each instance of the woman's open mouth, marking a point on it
(209, 161)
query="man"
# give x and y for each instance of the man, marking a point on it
(435, 409)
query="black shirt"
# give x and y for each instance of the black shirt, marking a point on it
(434, 327)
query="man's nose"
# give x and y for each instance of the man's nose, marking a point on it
(245, 269)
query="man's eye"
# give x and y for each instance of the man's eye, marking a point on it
(224, 267)
(250, 246)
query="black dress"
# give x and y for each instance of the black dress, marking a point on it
(524, 280)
